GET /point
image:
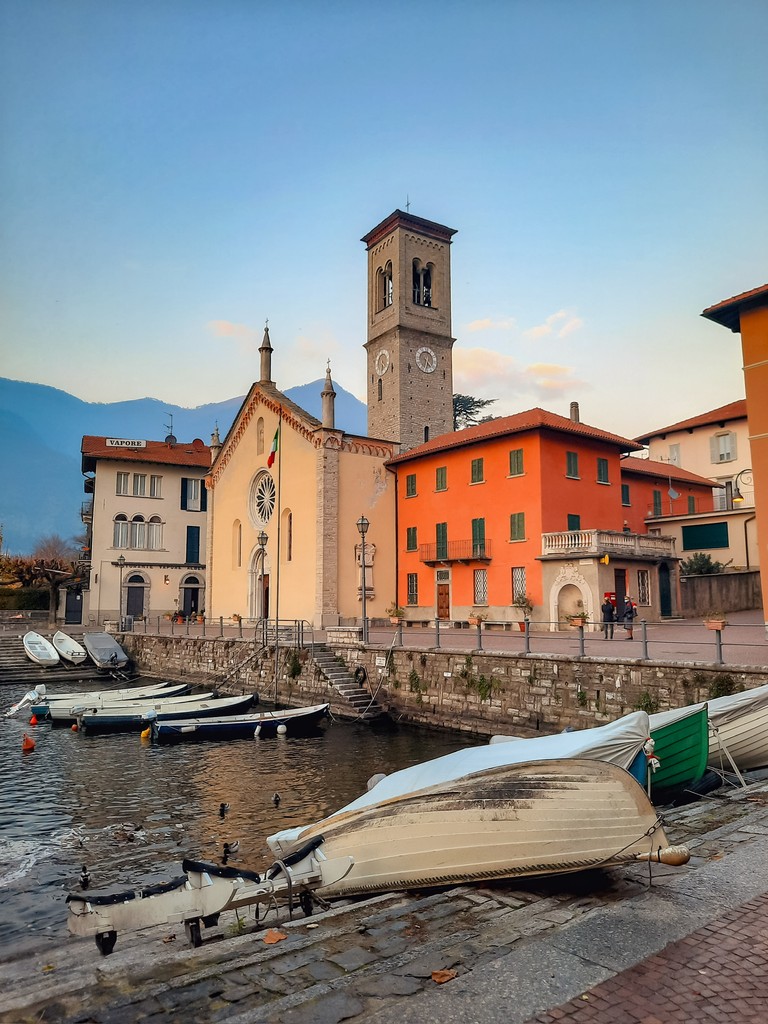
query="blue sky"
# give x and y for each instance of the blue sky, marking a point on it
(174, 172)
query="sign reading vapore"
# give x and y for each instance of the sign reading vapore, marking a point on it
(120, 442)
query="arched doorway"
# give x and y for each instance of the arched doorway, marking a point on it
(134, 594)
(191, 596)
(258, 585)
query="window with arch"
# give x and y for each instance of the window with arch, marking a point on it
(237, 544)
(155, 533)
(261, 501)
(287, 524)
(384, 290)
(120, 531)
(138, 536)
(379, 390)
(422, 283)
(260, 436)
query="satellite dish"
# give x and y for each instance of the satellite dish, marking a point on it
(673, 493)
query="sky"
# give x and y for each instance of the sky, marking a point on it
(174, 173)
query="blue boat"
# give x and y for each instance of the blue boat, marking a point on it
(122, 719)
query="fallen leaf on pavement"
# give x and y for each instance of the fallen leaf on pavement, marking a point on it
(273, 936)
(440, 977)
(169, 938)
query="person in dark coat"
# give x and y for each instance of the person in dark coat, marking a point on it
(608, 618)
(629, 613)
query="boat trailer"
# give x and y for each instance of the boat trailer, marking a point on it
(197, 898)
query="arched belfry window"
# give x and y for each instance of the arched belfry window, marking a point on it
(380, 390)
(384, 290)
(422, 284)
(260, 436)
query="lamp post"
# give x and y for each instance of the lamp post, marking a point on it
(362, 528)
(746, 476)
(121, 566)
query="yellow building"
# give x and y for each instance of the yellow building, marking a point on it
(287, 492)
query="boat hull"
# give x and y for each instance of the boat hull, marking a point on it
(110, 720)
(40, 650)
(539, 818)
(68, 649)
(682, 748)
(746, 740)
(98, 698)
(63, 711)
(296, 721)
(105, 651)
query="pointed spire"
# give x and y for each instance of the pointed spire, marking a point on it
(328, 396)
(266, 357)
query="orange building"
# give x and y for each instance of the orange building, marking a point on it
(747, 313)
(525, 514)
(652, 490)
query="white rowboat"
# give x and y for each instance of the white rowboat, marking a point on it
(40, 650)
(70, 650)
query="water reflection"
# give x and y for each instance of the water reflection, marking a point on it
(131, 811)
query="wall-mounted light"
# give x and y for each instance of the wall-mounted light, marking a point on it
(166, 579)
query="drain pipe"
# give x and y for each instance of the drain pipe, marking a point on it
(746, 541)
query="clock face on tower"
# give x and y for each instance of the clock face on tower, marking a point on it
(382, 362)
(426, 360)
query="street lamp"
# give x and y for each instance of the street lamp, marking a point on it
(362, 528)
(121, 566)
(738, 497)
(261, 540)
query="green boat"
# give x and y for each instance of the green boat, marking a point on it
(681, 738)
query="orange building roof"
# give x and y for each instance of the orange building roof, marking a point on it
(733, 411)
(650, 467)
(192, 453)
(728, 312)
(531, 419)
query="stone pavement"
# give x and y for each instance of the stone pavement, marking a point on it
(717, 973)
(513, 952)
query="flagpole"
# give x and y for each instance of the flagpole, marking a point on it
(277, 558)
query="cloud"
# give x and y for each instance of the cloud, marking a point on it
(241, 333)
(485, 373)
(551, 378)
(488, 324)
(560, 324)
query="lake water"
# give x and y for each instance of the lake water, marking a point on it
(131, 811)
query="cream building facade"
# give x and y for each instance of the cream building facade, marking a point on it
(287, 492)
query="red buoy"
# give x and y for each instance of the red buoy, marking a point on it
(74, 727)
(27, 743)
(33, 720)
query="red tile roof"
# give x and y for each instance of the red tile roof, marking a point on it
(531, 419)
(728, 312)
(191, 453)
(723, 414)
(650, 467)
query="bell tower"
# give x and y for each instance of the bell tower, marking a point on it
(410, 374)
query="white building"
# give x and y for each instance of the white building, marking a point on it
(146, 521)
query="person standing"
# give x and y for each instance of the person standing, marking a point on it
(629, 614)
(608, 618)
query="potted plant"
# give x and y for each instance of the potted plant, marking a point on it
(525, 604)
(715, 619)
(395, 613)
(236, 618)
(476, 616)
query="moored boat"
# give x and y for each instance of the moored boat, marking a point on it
(739, 730)
(41, 700)
(681, 746)
(69, 650)
(40, 650)
(290, 722)
(64, 711)
(105, 651)
(125, 718)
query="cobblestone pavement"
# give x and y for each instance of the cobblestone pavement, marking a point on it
(717, 973)
(505, 952)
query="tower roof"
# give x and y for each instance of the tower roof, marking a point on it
(398, 219)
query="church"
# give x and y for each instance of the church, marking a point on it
(288, 493)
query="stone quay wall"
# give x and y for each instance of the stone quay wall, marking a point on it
(477, 692)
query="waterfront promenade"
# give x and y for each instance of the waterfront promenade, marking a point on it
(609, 948)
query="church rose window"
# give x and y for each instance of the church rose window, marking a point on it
(262, 500)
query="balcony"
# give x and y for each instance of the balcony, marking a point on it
(586, 543)
(455, 551)
(86, 511)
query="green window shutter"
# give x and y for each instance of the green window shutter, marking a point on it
(574, 523)
(516, 462)
(410, 485)
(478, 538)
(410, 539)
(517, 526)
(691, 503)
(477, 471)
(602, 471)
(625, 494)
(184, 494)
(441, 478)
(572, 464)
(657, 503)
(707, 535)
(441, 538)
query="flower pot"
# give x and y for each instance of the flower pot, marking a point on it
(395, 620)
(714, 623)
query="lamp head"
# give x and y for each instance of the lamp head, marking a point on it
(121, 561)
(262, 539)
(362, 526)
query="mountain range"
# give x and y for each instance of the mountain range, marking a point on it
(42, 428)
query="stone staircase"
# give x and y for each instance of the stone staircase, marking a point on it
(338, 675)
(16, 669)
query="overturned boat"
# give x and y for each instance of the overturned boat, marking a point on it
(533, 818)
(739, 730)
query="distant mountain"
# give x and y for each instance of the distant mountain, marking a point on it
(42, 427)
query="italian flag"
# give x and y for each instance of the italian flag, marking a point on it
(273, 450)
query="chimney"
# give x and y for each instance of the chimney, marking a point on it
(575, 412)
(328, 396)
